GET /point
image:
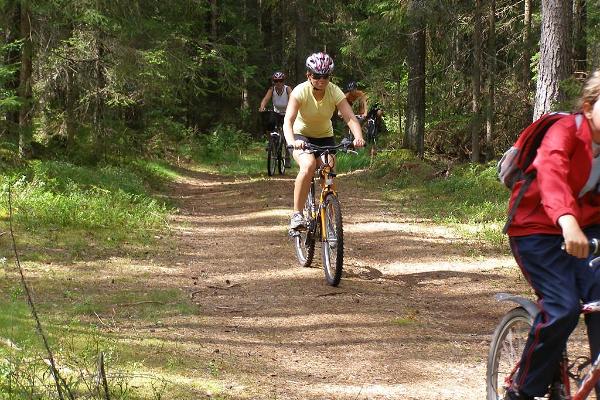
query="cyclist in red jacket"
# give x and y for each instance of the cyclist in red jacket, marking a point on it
(561, 205)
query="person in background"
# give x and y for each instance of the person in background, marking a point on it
(308, 120)
(279, 94)
(562, 204)
(353, 95)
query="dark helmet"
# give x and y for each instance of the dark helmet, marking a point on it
(278, 76)
(352, 85)
(319, 63)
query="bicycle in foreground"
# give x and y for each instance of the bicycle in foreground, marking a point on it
(276, 149)
(509, 341)
(323, 217)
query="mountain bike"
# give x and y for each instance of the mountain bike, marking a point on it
(509, 341)
(276, 149)
(371, 125)
(323, 217)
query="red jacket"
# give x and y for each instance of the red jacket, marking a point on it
(563, 165)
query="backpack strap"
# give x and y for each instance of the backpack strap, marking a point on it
(528, 180)
(513, 210)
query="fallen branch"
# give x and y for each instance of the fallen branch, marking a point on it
(38, 324)
(139, 303)
(223, 287)
(330, 294)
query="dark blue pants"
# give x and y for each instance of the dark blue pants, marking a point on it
(560, 281)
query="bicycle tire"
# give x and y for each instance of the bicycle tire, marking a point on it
(281, 155)
(371, 131)
(304, 241)
(271, 157)
(332, 247)
(505, 351)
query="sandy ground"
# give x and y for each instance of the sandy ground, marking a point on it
(411, 319)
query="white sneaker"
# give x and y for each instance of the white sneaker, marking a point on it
(297, 222)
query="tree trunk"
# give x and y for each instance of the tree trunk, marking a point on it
(244, 95)
(70, 122)
(301, 39)
(214, 15)
(12, 32)
(415, 102)
(100, 140)
(491, 76)
(555, 62)
(25, 77)
(580, 35)
(476, 81)
(526, 79)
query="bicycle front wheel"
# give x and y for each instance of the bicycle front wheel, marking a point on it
(371, 131)
(505, 352)
(332, 248)
(271, 156)
(281, 156)
(304, 241)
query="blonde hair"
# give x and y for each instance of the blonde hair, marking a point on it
(590, 91)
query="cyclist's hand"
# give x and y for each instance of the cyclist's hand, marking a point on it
(576, 243)
(298, 144)
(363, 115)
(261, 109)
(358, 142)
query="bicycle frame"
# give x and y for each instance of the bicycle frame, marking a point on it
(326, 181)
(327, 185)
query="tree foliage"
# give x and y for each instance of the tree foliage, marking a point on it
(132, 76)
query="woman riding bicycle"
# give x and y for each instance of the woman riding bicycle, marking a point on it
(279, 94)
(353, 95)
(562, 204)
(308, 119)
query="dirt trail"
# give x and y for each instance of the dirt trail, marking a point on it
(411, 319)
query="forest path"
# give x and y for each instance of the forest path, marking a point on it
(411, 319)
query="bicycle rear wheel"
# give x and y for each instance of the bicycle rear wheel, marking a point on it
(505, 352)
(304, 241)
(271, 155)
(332, 248)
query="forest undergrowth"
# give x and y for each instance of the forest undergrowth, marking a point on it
(71, 221)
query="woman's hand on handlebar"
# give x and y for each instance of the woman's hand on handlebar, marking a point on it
(358, 142)
(298, 144)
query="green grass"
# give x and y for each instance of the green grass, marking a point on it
(57, 204)
(467, 196)
(149, 305)
(347, 162)
(140, 368)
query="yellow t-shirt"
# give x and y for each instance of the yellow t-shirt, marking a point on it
(314, 117)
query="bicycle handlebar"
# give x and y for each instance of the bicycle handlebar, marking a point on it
(593, 243)
(345, 145)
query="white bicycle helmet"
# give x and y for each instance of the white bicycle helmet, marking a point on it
(319, 63)
(278, 76)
